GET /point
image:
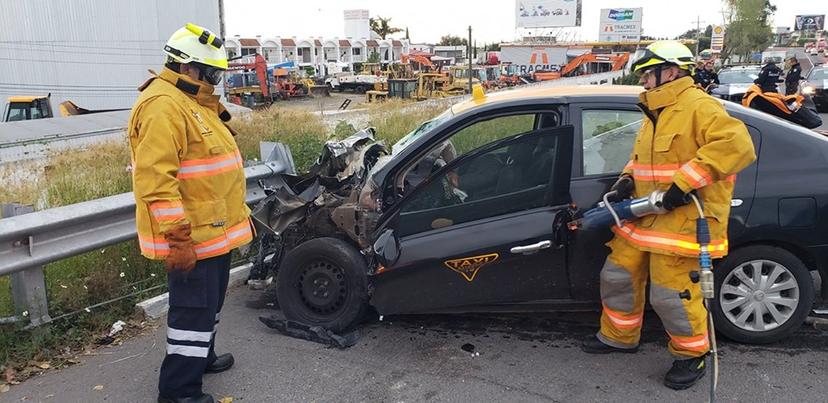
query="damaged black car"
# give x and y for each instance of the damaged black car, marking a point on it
(469, 213)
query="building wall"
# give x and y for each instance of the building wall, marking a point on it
(93, 52)
(357, 24)
(329, 52)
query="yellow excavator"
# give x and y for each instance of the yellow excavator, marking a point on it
(27, 107)
(31, 107)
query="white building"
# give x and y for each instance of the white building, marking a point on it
(93, 52)
(457, 54)
(318, 53)
(357, 24)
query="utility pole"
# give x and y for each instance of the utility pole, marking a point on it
(221, 19)
(698, 35)
(469, 55)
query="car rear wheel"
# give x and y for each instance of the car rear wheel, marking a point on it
(323, 282)
(763, 294)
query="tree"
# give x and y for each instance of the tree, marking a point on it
(748, 27)
(494, 47)
(373, 57)
(382, 26)
(451, 40)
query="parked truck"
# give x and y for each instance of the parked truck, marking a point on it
(367, 80)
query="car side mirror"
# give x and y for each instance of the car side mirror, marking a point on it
(387, 248)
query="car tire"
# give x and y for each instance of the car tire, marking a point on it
(323, 282)
(785, 287)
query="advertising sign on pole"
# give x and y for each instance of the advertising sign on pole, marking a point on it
(620, 25)
(547, 13)
(809, 23)
(717, 39)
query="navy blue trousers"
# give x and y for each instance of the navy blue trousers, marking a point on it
(196, 299)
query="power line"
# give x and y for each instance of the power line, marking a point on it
(69, 86)
(156, 53)
(121, 48)
(73, 61)
(80, 92)
(73, 43)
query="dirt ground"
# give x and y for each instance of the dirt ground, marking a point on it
(322, 103)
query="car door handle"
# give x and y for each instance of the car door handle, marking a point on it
(533, 248)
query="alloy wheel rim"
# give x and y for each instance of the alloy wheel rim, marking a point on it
(759, 295)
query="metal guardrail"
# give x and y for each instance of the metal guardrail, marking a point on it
(30, 240)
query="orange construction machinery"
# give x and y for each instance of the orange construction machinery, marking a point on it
(247, 82)
(587, 63)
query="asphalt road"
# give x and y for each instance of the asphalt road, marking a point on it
(824, 117)
(522, 358)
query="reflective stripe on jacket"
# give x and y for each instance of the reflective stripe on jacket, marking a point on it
(687, 138)
(186, 168)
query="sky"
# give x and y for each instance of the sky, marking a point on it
(491, 20)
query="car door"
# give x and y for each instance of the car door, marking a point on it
(604, 137)
(476, 233)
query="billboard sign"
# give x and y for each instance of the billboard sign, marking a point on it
(620, 25)
(547, 13)
(529, 59)
(717, 39)
(809, 23)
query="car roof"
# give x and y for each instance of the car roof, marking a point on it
(546, 92)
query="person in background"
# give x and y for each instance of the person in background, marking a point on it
(769, 77)
(793, 76)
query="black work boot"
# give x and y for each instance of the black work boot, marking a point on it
(221, 364)
(593, 345)
(685, 373)
(204, 398)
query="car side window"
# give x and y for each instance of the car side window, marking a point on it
(511, 177)
(465, 140)
(608, 137)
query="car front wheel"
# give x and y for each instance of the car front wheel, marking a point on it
(763, 294)
(323, 282)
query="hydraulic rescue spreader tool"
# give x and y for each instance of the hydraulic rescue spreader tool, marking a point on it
(607, 214)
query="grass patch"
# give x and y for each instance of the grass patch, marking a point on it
(116, 272)
(394, 118)
(303, 132)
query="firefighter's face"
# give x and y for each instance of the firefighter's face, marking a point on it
(648, 78)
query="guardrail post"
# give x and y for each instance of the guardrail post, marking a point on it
(28, 286)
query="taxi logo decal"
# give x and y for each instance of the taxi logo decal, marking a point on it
(469, 266)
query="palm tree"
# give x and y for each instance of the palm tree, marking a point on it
(382, 26)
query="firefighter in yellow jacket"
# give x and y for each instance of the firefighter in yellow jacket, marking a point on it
(687, 143)
(189, 189)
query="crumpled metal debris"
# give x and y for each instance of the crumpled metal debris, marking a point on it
(311, 333)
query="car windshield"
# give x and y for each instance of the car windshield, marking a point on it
(418, 132)
(819, 74)
(738, 76)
